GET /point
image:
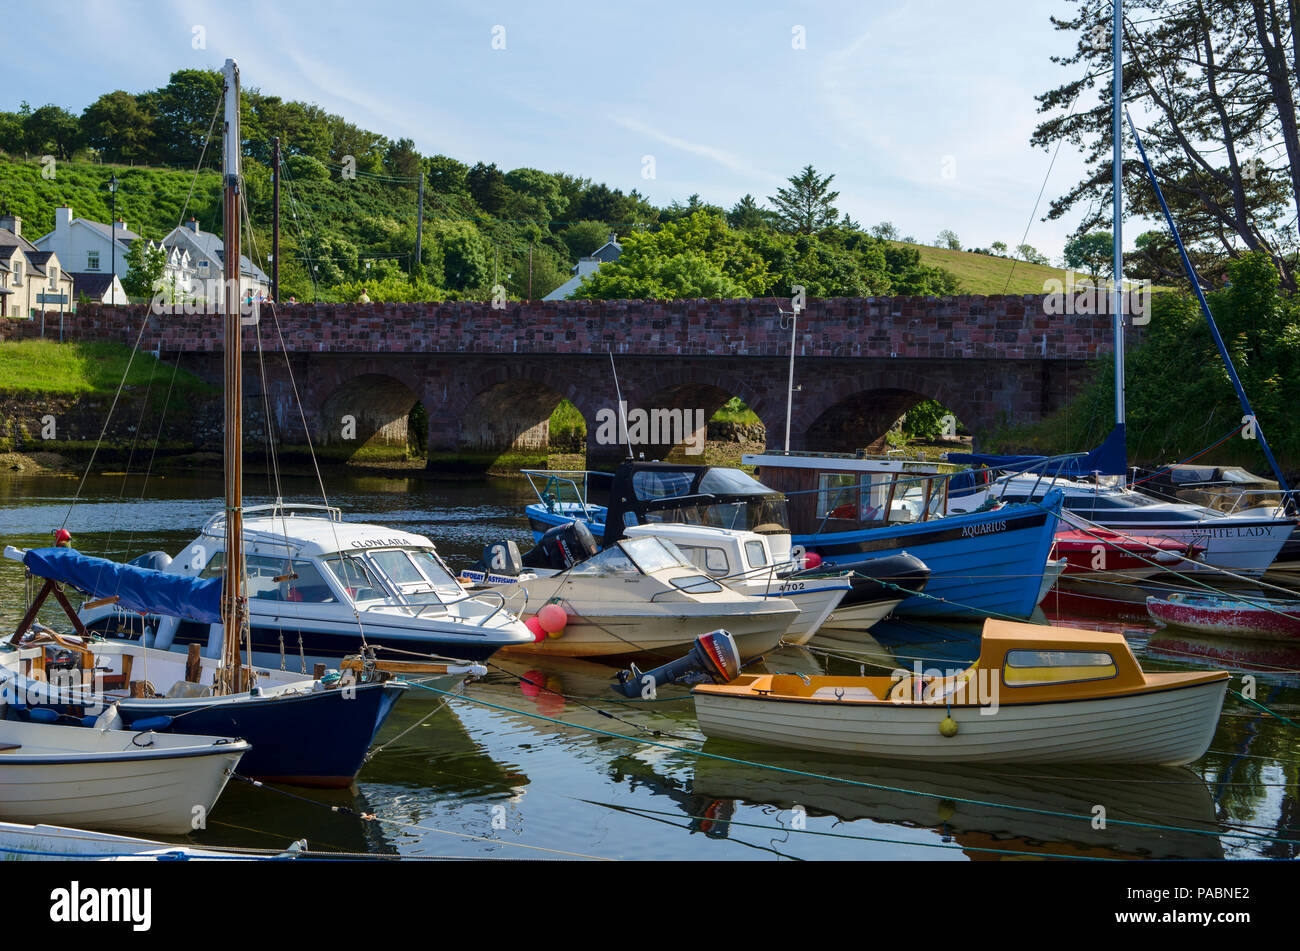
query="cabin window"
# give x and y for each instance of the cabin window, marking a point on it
(697, 584)
(359, 582)
(837, 495)
(654, 554)
(92, 260)
(712, 560)
(611, 561)
(441, 579)
(1026, 668)
(756, 554)
(650, 484)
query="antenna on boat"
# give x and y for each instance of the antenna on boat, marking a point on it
(1117, 213)
(789, 392)
(234, 613)
(622, 408)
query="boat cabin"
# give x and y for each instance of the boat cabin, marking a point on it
(720, 552)
(841, 492)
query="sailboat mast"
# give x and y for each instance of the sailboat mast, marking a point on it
(1117, 224)
(234, 601)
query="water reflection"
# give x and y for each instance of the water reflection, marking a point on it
(502, 777)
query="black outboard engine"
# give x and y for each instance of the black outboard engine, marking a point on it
(502, 558)
(562, 547)
(714, 657)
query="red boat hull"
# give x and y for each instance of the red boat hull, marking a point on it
(1228, 619)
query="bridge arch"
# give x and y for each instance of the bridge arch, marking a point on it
(506, 410)
(680, 402)
(367, 413)
(857, 413)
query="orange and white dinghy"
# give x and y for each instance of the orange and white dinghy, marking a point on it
(1036, 694)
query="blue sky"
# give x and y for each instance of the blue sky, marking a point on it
(922, 110)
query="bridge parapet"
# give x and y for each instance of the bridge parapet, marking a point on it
(946, 328)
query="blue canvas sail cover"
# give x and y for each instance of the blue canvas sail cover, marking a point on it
(137, 589)
(1110, 458)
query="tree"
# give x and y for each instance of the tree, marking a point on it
(119, 127)
(52, 129)
(948, 239)
(487, 186)
(1090, 252)
(401, 160)
(999, 248)
(184, 111)
(746, 214)
(885, 231)
(145, 266)
(1031, 254)
(583, 237)
(1218, 77)
(446, 175)
(807, 205)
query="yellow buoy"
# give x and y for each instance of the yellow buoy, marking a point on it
(948, 726)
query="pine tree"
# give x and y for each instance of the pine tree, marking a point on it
(807, 206)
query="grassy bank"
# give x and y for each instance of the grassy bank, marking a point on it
(45, 366)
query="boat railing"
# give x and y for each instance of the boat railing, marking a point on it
(277, 509)
(420, 607)
(1051, 467)
(1275, 498)
(553, 484)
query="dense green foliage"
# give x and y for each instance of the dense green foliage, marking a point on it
(1179, 396)
(349, 196)
(50, 367)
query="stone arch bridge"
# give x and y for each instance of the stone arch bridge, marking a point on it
(490, 378)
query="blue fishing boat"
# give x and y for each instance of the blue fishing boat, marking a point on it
(851, 512)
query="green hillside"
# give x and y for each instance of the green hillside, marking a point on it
(986, 274)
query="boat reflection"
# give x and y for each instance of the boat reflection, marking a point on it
(1052, 811)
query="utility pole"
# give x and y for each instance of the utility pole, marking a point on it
(275, 223)
(112, 236)
(530, 270)
(419, 217)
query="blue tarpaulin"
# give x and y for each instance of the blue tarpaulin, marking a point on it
(1107, 459)
(137, 589)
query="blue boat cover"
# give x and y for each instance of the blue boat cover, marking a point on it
(137, 589)
(1110, 458)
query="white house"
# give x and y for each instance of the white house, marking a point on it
(32, 281)
(88, 247)
(609, 251)
(201, 255)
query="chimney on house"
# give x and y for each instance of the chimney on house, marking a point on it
(120, 224)
(192, 225)
(12, 223)
(62, 219)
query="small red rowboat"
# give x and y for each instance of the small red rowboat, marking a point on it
(1102, 555)
(1227, 616)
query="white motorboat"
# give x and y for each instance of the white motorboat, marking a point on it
(54, 843)
(1245, 542)
(637, 596)
(99, 776)
(321, 589)
(744, 561)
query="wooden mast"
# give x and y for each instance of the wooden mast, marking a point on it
(234, 605)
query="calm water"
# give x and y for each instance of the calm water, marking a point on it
(491, 781)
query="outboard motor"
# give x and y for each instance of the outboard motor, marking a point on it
(155, 560)
(562, 547)
(714, 657)
(502, 558)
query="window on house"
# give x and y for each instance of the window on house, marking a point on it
(92, 260)
(54, 278)
(18, 273)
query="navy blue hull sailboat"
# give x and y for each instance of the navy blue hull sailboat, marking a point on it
(308, 730)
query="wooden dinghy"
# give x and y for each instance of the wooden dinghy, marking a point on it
(1226, 616)
(1035, 694)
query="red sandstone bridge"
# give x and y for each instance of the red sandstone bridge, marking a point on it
(490, 378)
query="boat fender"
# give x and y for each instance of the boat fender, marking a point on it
(43, 715)
(158, 723)
(948, 727)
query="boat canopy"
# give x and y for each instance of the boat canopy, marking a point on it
(1107, 459)
(136, 589)
(709, 495)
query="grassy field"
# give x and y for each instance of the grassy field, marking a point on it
(985, 274)
(44, 366)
